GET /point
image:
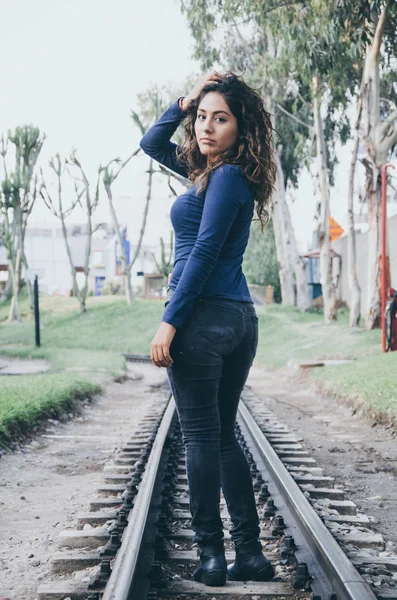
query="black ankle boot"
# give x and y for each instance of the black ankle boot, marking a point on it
(212, 568)
(250, 564)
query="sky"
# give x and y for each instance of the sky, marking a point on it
(74, 69)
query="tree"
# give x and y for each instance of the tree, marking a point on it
(164, 266)
(258, 48)
(378, 135)
(108, 178)
(17, 197)
(260, 260)
(355, 289)
(86, 200)
(371, 27)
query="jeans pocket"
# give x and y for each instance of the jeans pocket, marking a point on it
(255, 338)
(217, 324)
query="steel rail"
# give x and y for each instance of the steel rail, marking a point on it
(124, 568)
(332, 570)
(137, 358)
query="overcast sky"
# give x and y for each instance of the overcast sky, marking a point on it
(74, 68)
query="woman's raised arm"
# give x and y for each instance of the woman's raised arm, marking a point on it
(156, 141)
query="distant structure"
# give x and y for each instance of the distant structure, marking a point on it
(46, 255)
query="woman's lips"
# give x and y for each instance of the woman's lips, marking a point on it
(208, 141)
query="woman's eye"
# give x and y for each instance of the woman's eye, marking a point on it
(219, 118)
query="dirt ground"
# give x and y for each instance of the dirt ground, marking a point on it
(45, 485)
(358, 454)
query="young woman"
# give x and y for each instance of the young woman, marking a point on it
(208, 336)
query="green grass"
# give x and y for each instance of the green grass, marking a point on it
(369, 382)
(82, 349)
(109, 325)
(25, 401)
(90, 345)
(286, 334)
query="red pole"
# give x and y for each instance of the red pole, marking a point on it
(384, 234)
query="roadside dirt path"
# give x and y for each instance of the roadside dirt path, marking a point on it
(45, 485)
(360, 456)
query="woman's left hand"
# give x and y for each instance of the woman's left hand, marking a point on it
(160, 346)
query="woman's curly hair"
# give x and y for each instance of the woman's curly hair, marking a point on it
(254, 148)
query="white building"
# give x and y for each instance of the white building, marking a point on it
(47, 257)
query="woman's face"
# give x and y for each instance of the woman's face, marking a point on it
(216, 122)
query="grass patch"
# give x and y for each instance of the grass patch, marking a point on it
(109, 325)
(368, 383)
(25, 401)
(81, 348)
(91, 344)
(287, 334)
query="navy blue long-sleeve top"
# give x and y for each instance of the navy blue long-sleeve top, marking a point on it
(211, 227)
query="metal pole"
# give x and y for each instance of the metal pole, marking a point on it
(36, 310)
(384, 266)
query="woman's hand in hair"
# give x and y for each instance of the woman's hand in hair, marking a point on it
(160, 346)
(210, 77)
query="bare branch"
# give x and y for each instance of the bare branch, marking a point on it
(380, 27)
(163, 170)
(135, 117)
(308, 104)
(244, 42)
(113, 176)
(310, 127)
(98, 226)
(48, 201)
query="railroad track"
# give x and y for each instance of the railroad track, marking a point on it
(136, 544)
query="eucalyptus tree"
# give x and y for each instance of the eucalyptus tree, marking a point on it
(87, 200)
(316, 48)
(243, 35)
(374, 26)
(303, 47)
(17, 197)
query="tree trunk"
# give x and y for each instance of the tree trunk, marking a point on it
(28, 284)
(14, 312)
(280, 237)
(128, 288)
(24, 262)
(82, 303)
(76, 291)
(144, 221)
(84, 290)
(328, 290)
(378, 136)
(303, 300)
(124, 267)
(374, 253)
(355, 290)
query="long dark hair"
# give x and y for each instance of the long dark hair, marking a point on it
(253, 151)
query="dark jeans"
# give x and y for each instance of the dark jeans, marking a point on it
(213, 353)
